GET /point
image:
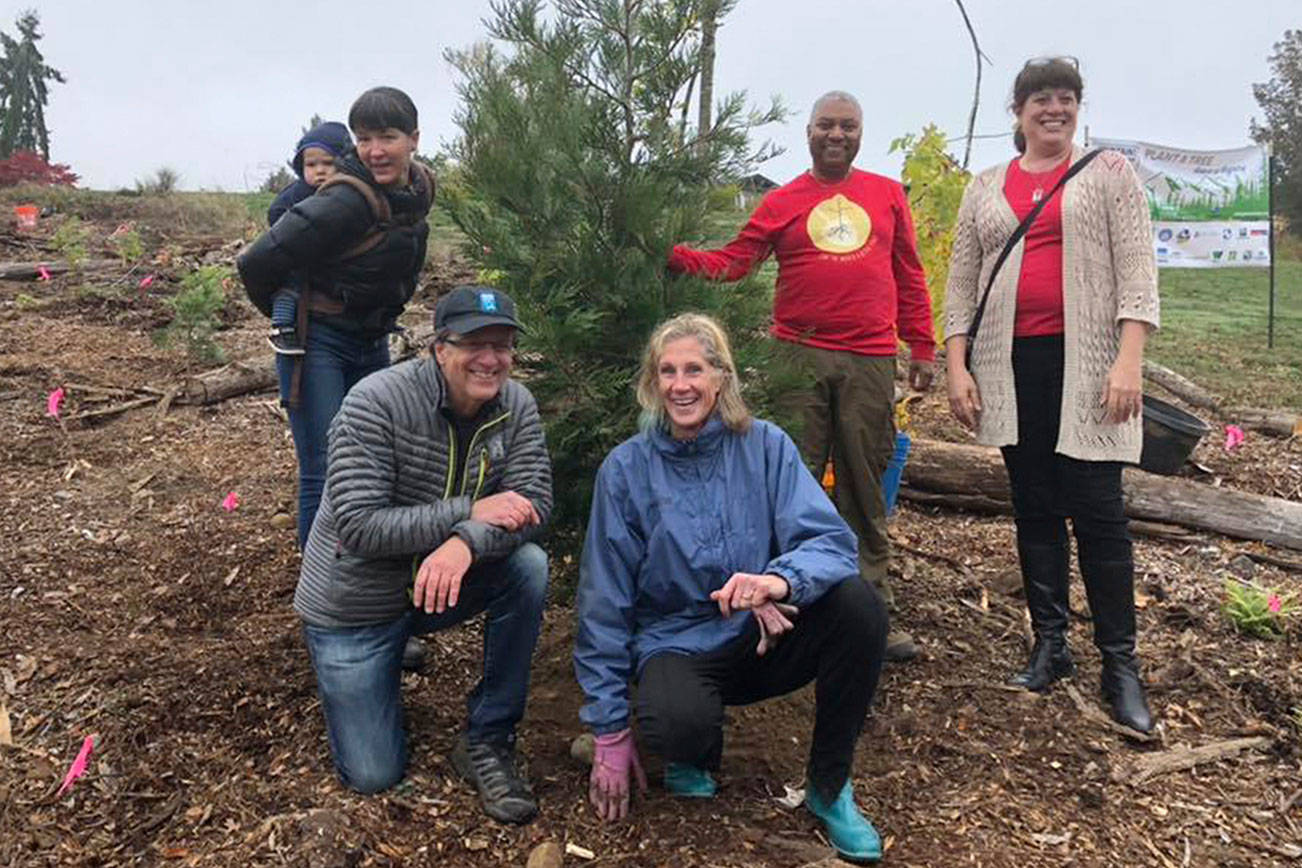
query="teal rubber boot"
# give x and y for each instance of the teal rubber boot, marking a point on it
(851, 834)
(689, 782)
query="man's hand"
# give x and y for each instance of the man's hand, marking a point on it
(506, 509)
(749, 591)
(921, 373)
(438, 581)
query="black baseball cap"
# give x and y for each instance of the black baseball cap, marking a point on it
(468, 308)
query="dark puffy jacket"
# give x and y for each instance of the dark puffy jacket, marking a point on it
(362, 294)
(288, 198)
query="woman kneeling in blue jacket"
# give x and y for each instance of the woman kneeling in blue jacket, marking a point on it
(716, 572)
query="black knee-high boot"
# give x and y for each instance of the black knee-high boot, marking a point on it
(1110, 586)
(1044, 578)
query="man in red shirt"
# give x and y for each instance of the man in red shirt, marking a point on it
(850, 287)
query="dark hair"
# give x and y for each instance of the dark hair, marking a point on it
(382, 107)
(1049, 73)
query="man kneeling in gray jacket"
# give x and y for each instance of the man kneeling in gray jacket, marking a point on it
(438, 480)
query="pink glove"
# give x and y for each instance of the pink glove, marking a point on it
(774, 619)
(608, 786)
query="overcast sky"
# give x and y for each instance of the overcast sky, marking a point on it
(219, 90)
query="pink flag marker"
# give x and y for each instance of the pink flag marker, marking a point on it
(230, 502)
(42, 272)
(1234, 437)
(146, 281)
(53, 402)
(1275, 604)
(78, 767)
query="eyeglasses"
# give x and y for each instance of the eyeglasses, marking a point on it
(1046, 61)
(501, 348)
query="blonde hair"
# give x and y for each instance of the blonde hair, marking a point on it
(714, 344)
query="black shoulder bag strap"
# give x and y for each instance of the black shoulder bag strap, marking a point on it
(1012, 242)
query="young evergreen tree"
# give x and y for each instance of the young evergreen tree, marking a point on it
(24, 93)
(574, 177)
(313, 122)
(1281, 101)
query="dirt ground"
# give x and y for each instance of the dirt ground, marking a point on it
(137, 610)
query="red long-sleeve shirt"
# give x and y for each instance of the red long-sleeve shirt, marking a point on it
(849, 277)
(1039, 286)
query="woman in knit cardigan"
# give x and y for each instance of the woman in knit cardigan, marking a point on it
(1055, 377)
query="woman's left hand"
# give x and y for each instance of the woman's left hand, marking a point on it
(1123, 392)
(749, 591)
(774, 619)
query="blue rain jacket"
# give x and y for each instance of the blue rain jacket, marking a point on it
(672, 521)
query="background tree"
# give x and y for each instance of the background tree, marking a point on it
(935, 182)
(24, 78)
(277, 180)
(1281, 101)
(575, 175)
(711, 12)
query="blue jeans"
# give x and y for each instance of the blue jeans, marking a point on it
(359, 669)
(333, 363)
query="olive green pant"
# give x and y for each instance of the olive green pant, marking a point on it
(849, 416)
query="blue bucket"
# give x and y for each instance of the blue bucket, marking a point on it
(895, 470)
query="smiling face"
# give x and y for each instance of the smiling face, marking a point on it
(1048, 120)
(475, 366)
(834, 132)
(689, 386)
(387, 153)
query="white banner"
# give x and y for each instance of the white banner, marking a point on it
(1209, 208)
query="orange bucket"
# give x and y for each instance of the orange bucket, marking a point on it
(26, 215)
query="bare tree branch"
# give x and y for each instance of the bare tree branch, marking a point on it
(976, 95)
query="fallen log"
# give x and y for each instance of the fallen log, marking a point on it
(1279, 422)
(1181, 758)
(244, 378)
(1182, 387)
(1283, 423)
(228, 381)
(966, 502)
(32, 270)
(962, 472)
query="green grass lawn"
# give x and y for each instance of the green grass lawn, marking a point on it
(1214, 325)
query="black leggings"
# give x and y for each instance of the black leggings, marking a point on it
(840, 640)
(1048, 487)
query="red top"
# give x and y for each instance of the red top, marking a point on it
(848, 269)
(1039, 289)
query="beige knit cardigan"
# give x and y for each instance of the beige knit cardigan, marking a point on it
(1109, 273)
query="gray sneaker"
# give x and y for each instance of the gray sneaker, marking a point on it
(490, 766)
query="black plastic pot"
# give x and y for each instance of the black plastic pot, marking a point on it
(1170, 435)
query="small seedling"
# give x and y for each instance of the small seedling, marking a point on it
(126, 242)
(70, 241)
(1260, 612)
(195, 308)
